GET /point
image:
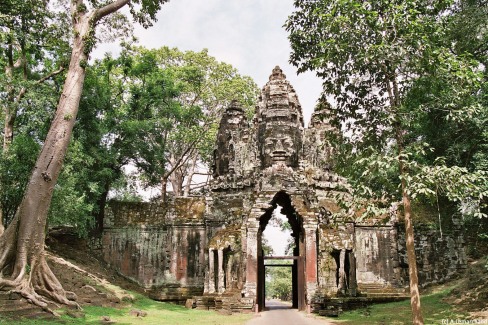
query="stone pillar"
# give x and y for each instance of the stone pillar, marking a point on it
(342, 271)
(311, 259)
(252, 260)
(352, 275)
(205, 284)
(174, 254)
(220, 271)
(397, 281)
(229, 275)
(211, 273)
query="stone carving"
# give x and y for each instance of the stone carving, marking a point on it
(233, 126)
(279, 121)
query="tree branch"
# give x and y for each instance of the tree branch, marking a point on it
(108, 9)
(183, 158)
(197, 186)
(52, 74)
(23, 91)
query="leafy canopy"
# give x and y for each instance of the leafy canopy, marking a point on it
(391, 69)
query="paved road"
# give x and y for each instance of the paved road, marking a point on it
(279, 313)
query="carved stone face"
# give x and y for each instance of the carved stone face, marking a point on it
(280, 119)
(279, 149)
(279, 144)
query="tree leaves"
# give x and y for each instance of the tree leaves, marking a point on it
(397, 83)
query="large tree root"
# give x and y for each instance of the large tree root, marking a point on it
(36, 283)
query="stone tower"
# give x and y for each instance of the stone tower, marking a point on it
(279, 122)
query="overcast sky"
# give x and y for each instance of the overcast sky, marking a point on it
(248, 34)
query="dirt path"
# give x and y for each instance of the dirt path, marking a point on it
(281, 314)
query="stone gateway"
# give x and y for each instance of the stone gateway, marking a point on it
(208, 249)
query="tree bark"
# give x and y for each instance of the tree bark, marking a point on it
(8, 130)
(23, 241)
(10, 109)
(176, 179)
(164, 190)
(176, 164)
(417, 318)
(190, 175)
(394, 97)
(13, 100)
(23, 267)
(7, 110)
(101, 209)
(2, 228)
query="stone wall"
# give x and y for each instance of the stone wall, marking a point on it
(438, 258)
(138, 253)
(377, 256)
(158, 246)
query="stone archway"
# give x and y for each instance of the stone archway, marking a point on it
(304, 231)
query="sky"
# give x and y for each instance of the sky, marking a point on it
(277, 238)
(248, 34)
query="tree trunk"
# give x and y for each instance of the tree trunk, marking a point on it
(9, 110)
(101, 209)
(176, 179)
(8, 130)
(411, 258)
(164, 190)
(395, 100)
(22, 256)
(190, 175)
(8, 136)
(2, 228)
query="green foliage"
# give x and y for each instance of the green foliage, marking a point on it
(15, 168)
(144, 11)
(124, 189)
(266, 247)
(176, 100)
(205, 83)
(279, 282)
(36, 29)
(132, 110)
(146, 107)
(93, 162)
(402, 95)
(70, 205)
(34, 45)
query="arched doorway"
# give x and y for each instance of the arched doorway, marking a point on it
(283, 202)
(304, 223)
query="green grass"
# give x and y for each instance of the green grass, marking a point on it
(157, 313)
(433, 311)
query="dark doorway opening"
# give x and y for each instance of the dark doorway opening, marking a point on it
(346, 284)
(296, 259)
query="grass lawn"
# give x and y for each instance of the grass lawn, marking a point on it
(433, 311)
(157, 313)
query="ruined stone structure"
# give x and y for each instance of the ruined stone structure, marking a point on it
(209, 248)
